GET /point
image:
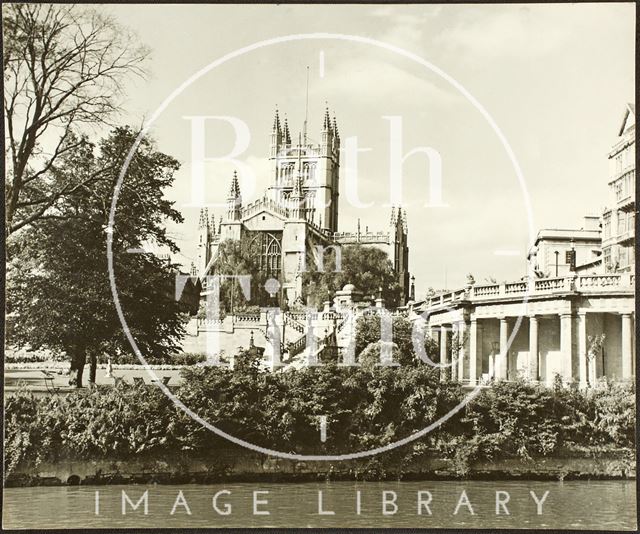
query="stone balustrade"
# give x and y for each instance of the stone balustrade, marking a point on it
(202, 324)
(265, 203)
(581, 284)
(548, 284)
(362, 237)
(607, 280)
(246, 317)
(296, 321)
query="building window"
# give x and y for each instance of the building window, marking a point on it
(286, 172)
(622, 222)
(618, 189)
(606, 253)
(606, 225)
(619, 162)
(623, 257)
(270, 254)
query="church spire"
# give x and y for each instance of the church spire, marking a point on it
(234, 200)
(327, 133)
(276, 135)
(326, 125)
(276, 122)
(234, 192)
(287, 135)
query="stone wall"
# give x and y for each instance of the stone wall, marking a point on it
(237, 466)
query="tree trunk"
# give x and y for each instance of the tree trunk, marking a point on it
(72, 372)
(93, 361)
(78, 359)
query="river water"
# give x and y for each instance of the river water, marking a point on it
(606, 505)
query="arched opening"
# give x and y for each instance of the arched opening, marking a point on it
(270, 250)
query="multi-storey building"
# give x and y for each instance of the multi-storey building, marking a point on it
(558, 252)
(574, 319)
(618, 220)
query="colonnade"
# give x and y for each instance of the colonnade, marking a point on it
(465, 353)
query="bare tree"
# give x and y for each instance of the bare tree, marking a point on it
(64, 68)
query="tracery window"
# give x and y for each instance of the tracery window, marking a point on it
(270, 254)
(309, 172)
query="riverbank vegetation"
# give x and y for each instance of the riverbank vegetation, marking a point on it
(366, 407)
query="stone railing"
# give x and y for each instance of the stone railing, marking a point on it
(331, 315)
(524, 289)
(316, 227)
(362, 237)
(301, 317)
(246, 318)
(515, 287)
(598, 281)
(548, 284)
(202, 323)
(482, 291)
(267, 204)
(294, 322)
(297, 346)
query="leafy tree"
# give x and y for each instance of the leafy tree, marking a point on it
(367, 268)
(239, 258)
(64, 68)
(368, 331)
(58, 284)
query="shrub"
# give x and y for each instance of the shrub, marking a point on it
(106, 422)
(367, 407)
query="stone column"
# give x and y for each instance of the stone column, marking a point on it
(501, 357)
(444, 359)
(533, 348)
(582, 350)
(627, 358)
(473, 352)
(455, 356)
(462, 354)
(565, 346)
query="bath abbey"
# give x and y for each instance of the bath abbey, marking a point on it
(297, 217)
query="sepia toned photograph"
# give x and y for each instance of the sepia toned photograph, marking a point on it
(319, 266)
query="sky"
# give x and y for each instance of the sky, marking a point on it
(554, 79)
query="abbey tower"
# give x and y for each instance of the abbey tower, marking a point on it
(298, 212)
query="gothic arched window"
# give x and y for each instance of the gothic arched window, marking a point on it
(311, 173)
(270, 254)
